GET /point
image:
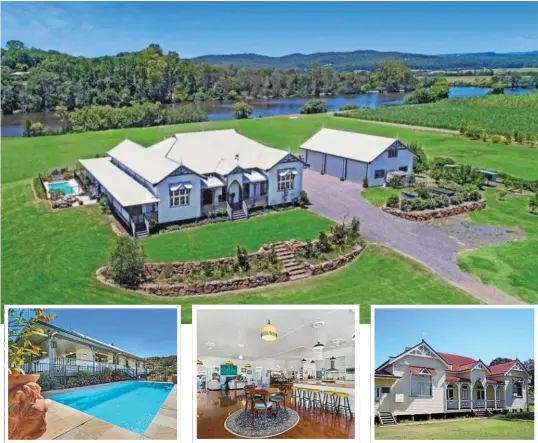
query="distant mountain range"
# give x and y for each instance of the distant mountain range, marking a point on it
(369, 60)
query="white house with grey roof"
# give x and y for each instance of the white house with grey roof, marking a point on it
(188, 175)
(356, 157)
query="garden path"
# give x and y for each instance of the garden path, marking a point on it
(426, 244)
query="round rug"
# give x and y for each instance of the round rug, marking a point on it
(240, 423)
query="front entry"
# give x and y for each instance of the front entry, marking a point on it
(235, 193)
(136, 214)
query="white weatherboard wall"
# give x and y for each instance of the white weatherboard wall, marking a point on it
(511, 401)
(274, 196)
(417, 405)
(169, 214)
(383, 162)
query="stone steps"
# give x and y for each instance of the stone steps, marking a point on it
(295, 270)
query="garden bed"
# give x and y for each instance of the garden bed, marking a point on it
(162, 278)
(431, 214)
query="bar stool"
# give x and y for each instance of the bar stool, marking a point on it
(304, 396)
(342, 396)
(329, 401)
(295, 395)
(315, 398)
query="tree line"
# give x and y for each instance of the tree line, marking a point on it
(36, 80)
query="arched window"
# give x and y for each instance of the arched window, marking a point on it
(465, 392)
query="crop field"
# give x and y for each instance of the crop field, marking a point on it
(496, 114)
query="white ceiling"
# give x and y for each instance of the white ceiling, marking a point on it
(228, 329)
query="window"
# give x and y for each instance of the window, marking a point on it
(385, 390)
(285, 182)
(246, 190)
(263, 188)
(403, 168)
(450, 395)
(393, 153)
(379, 173)
(518, 389)
(377, 394)
(421, 385)
(180, 197)
(465, 393)
(480, 394)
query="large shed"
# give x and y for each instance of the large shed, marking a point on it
(354, 156)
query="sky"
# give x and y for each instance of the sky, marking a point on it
(272, 28)
(477, 333)
(143, 332)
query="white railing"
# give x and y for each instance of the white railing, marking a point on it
(245, 208)
(229, 210)
(452, 404)
(500, 403)
(490, 404)
(479, 404)
(465, 404)
(133, 228)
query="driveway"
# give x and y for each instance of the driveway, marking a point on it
(424, 243)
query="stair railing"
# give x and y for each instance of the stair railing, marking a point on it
(245, 208)
(229, 210)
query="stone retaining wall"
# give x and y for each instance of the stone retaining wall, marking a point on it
(167, 270)
(431, 214)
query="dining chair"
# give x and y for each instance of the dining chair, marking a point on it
(279, 398)
(260, 402)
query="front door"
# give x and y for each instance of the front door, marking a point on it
(383, 396)
(136, 214)
(235, 194)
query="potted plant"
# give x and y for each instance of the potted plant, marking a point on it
(26, 407)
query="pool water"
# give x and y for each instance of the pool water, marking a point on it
(130, 405)
(65, 187)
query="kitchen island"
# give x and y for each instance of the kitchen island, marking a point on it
(345, 386)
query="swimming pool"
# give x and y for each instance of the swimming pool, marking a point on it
(65, 187)
(131, 405)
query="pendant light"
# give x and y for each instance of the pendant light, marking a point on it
(269, 332)
(304, 359)
(199, 362)
(313, 361)
(318, 346)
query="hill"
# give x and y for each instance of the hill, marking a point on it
(369, 60)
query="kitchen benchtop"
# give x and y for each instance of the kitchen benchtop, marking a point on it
(336, 386)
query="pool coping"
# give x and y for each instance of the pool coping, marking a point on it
(64, 421)
(47, 394)
(72, 182)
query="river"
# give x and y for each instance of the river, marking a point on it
(12, 125)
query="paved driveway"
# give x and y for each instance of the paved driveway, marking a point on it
(424, 243)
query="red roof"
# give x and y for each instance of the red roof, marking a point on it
(458, 362)
(501, 368)
(419, 369)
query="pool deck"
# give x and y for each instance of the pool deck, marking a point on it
(65, 423)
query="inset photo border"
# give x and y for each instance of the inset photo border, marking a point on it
(296, 363)
(456, 372)
(104, 372)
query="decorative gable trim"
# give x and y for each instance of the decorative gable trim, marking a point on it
(423, 349)
(517, 366)
(181, 170)
(288, 158)
(236, 170)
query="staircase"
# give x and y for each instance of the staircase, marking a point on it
(387, 419)
(482, 413)
(140, 231)
(295, 270)
(238, 214)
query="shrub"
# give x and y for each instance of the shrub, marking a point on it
(126, 262)
(185, 113)
(457, 199)
(496, 138)
(442, 201)
(338, 234)
(48, 383)
(422, 191)
(474, 132)
(104, 204)
(393, 201)
(303, 199)
(324, 244)
(421, 163)
(411, 179)
(314, 107)
(349, 107)
(502, 194)
(242, 258)
(472, 194)
(353, 228)
(310, 250)
(407, 205)
(395, 181)
(365, 182)
(443, 161)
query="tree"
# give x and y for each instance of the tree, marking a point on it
(314, 107)
(499, 361)
(529, 366)
(15, 45)
(421, 163)
(126, 262)
(393, 75)
(62, 114)
(242, 110)
(497, 88)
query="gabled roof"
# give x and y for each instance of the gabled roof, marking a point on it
(410, 350)
(146, 163)
(364, 148)
(458, 362)
(219, 151)
(503, 368)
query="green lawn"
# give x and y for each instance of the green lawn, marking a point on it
(459, 429)
(511, 266)
(221, 239)
(23, 158)
(51, 257)
(378, 196)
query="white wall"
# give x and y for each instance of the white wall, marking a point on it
(405, 158)
(178, 213)
(274, 196)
